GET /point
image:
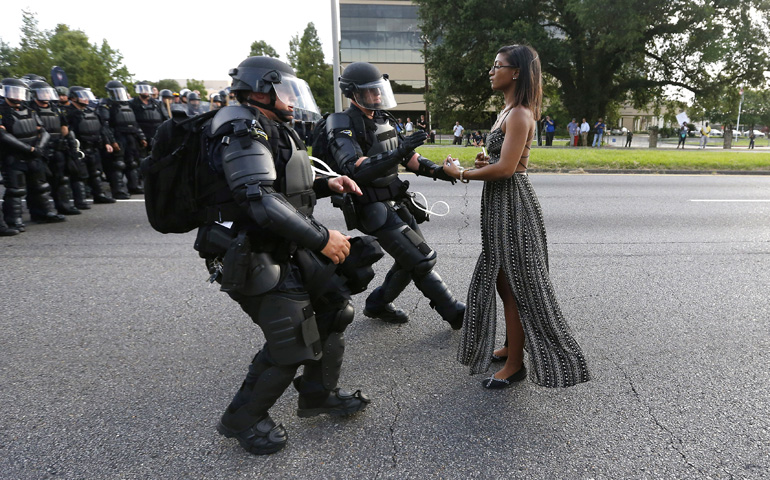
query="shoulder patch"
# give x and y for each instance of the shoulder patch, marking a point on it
(258, 132)
(347, 132)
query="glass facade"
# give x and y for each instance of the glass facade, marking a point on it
(380, 34)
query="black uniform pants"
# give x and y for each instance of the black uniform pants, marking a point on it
(268, 378)
(25, 177)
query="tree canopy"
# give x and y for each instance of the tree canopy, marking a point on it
(307, 58)
(261, 48)
(86, 64)
(599, 54)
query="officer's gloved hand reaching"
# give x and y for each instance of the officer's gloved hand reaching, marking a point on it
(410, 143)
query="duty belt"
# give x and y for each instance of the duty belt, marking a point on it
(392, 191)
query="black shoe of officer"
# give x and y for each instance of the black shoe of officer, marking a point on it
(68, 211)
(136, 191)
(337, 402)
(262, 438)
(387, 313)
(103, 199)
(456, 320)
(7, 231)
(83, 206)
(121, 196)
(49, 217)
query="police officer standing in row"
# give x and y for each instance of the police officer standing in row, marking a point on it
(60, 153)
(94, 137)
(283, 267)
(121, 120)
(148, 111)
(366, 146)
(23, 140)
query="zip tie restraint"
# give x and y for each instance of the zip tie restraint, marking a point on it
(328, 172)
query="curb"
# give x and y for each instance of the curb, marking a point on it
(580, 171)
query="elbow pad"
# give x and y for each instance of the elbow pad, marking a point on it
(377, 166)
(344, 148)
(272, 211)
(426, 168)
(246, 161)
(43, 141)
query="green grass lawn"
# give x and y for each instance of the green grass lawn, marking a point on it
(619, 158)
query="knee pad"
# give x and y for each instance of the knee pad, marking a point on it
(343, 318)
(119, 165)
(426, 266)
(407, 247)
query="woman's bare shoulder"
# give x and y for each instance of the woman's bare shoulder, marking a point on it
(519, 118)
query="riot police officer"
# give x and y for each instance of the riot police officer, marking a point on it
(63, 93)
(148, 111)
(60, 153)
(23, 140)
(167, 99)
(121, 120)
(94, 137)
(366, 146)
(193, 104)
(281, 264)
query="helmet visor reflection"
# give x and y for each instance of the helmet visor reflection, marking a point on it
(86, 95)
(375, 95)
(119, 94)
(46, 94)
(143, 89)
(15, 92)
(296, 92)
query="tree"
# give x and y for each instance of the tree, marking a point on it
(193, 84)
(169, 84)
(600, 52)
(85, 64)
(261, 48)
(307, 57)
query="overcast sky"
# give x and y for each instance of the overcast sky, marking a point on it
(174, 40)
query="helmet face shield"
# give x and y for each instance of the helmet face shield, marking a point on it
(84, 96)
(143, 89)
(375, 95)
(296, 92)
(15, 92)
(119, 94)
(46, 94)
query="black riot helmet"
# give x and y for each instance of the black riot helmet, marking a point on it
(32, 77)
(15, 91)
(143, 88)
(116, 91)
(42, 92)
(363, 83)
(81, 95)
(166, 93)
(276, 78)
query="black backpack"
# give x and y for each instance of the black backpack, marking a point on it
(172, 175)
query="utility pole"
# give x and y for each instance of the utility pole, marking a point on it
(740, 105)
(336, 55)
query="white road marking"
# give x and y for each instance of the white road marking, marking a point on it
(731, 200)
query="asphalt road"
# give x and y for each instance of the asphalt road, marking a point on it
(117, 358)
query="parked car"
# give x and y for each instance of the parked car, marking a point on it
(757, 134)
(736, 134)
(618, 131)
(715, 132)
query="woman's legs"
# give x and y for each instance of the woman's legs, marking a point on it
(514, 331)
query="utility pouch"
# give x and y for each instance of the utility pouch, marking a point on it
(213, 240)
(417, 209)
(235, 264)
(345, 203)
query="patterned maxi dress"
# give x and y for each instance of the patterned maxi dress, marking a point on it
(513, 239)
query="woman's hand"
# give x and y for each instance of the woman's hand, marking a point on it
(481, 160)
(450, 168)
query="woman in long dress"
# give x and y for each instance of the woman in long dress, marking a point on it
(514, 251)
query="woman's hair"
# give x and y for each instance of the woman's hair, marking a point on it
(529, 87)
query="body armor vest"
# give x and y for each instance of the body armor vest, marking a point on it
(51, 122)
(24, 126)
(90, 127)
(385, 139)
(122, 117)
(148, 115)
(298, 180)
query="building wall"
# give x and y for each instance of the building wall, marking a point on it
(386, 34)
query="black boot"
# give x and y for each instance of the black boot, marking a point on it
(441, 299)
(379, 304)
(336, 402)
(262, 438)
(5, 230)
(79, 195)
(63, 198)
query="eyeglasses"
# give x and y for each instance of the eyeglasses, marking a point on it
(496, 67)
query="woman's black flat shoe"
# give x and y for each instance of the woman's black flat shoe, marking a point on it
(498, 359)
(498, 383)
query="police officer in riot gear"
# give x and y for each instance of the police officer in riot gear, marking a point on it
(93, 135)
(284, 268)
(193, 104)
(148, 111)
(120, 118)
(366, 146)
(167, 99)
(63, 93)
(23, 140)
(60, 154)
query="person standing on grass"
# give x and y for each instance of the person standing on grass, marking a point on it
(704, 135)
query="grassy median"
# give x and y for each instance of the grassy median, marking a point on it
(566, 159)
